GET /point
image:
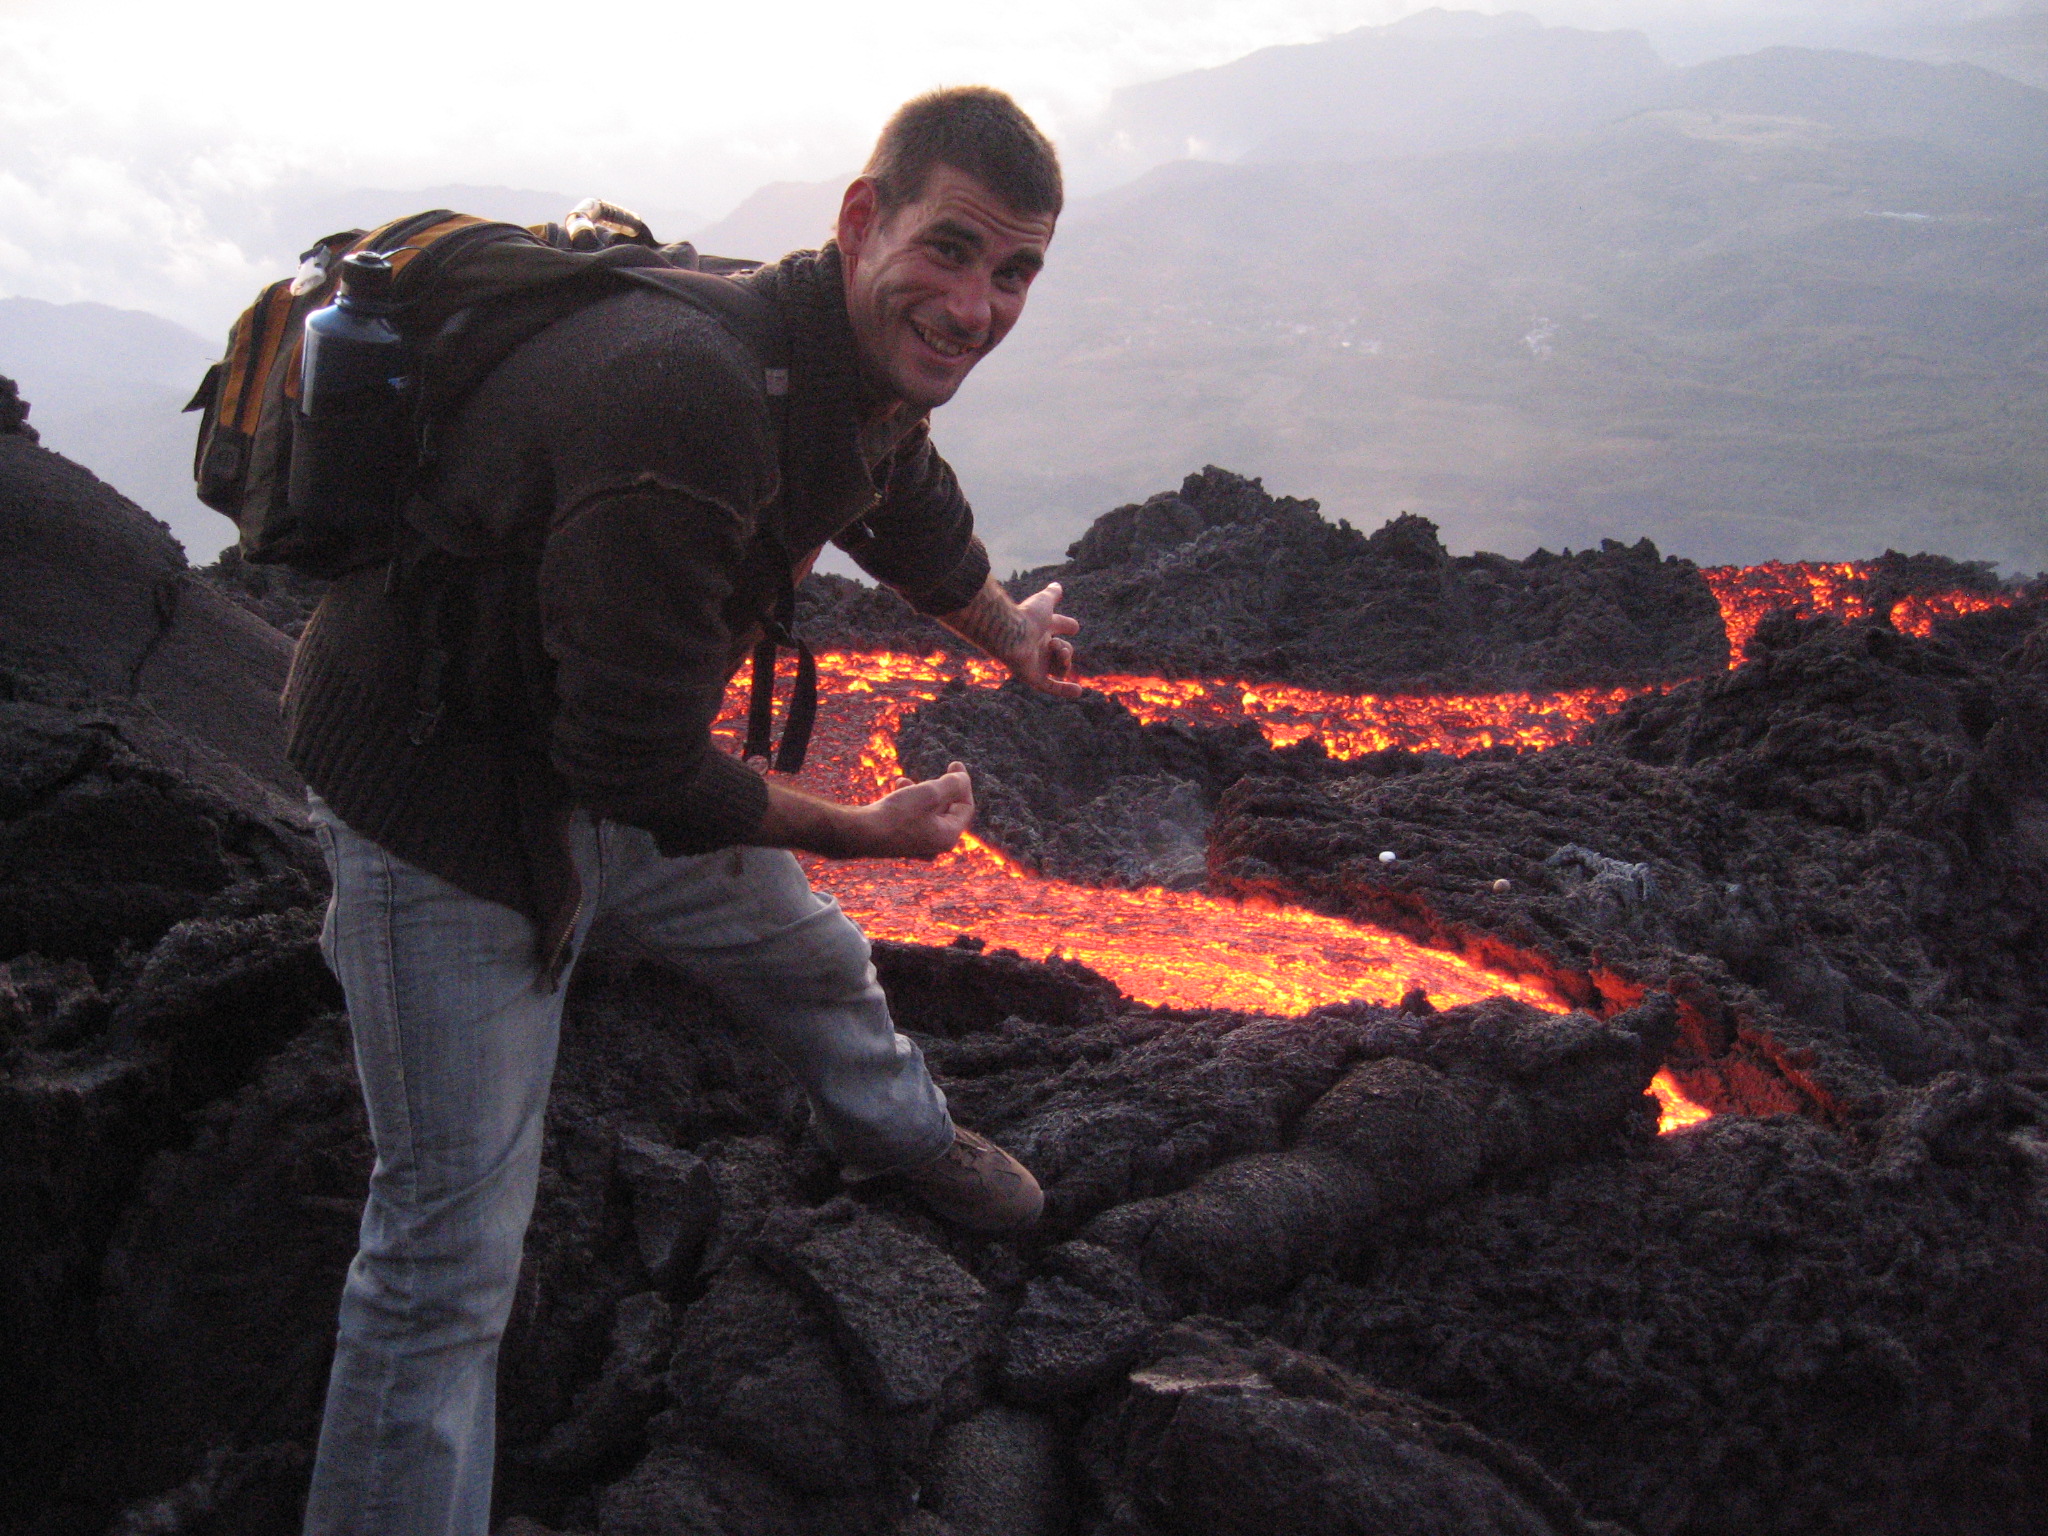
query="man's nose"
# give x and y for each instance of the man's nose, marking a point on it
(968, 303)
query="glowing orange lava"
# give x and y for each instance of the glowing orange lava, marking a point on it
(1351, 725)
(1178, 949)
(1839, 590)
(1190, 950)
(1675, 1110)
(1916, 615)
(1747, 593)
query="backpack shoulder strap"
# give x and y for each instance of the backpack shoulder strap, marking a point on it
(756, 320)
(750, 315)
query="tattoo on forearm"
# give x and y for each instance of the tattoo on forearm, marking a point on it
(991, 621)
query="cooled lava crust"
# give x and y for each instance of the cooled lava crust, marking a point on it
(1363, 1271)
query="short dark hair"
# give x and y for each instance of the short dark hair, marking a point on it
(973, 128)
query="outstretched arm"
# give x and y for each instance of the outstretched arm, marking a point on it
(1030, 637)
(913, 821)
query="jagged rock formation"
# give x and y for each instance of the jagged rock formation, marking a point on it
(1081, 791)
(14, 413)
(1221, 579)
(835, 614)
(1826, 853)
(156, 908)
(1364, 1271)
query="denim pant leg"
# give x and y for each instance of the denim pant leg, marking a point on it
(794, 970)
(455, 1045)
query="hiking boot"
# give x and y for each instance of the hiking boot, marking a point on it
(976, 1184)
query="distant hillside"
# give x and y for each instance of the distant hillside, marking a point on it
(1800, 309)
(782, 216)
(1974, 112)
(2014, 44)
(106, 387)
(1437, 80)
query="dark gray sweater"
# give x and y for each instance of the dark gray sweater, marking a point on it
(604, 486)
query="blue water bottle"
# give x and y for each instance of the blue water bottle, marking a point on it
(349, 440)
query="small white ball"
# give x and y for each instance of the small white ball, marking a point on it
(1500, 887)
(1389, 856)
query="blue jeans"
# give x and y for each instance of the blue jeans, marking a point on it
(455, 1036)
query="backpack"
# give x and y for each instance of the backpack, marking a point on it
(469, 291)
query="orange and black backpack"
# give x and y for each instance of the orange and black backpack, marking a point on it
(466, 292)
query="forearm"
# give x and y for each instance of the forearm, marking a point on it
(913, 821)
(807, 823)
(1030, 638)
(991, 621)
(632, 588)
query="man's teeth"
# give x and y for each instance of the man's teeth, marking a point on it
(939, 343)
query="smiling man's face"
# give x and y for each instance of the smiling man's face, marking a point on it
(932, 287)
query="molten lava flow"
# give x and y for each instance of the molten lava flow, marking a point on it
(1916, 615)
(1675, 1110)
(1839, 590)
(1188, 950)
(1747, 593)
(1351, 725)
(1172, 948)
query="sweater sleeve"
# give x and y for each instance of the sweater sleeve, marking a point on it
(633, 587)
(919, 538)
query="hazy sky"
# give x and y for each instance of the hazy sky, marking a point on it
(127, 125)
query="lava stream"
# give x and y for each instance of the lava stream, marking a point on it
(1351, 725)
(1170, 948)
(1674, 1110)
(1191, 950)
(1839, 589)
(1173, 948)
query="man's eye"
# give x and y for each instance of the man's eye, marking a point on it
(950, 250)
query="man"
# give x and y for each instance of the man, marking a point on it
(608, 485)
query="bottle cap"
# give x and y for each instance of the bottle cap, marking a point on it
(366, 277)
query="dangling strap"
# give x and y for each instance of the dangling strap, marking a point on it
(803, 713)
(803, 703)
(756, 320)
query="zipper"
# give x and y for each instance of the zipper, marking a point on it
(558, 956)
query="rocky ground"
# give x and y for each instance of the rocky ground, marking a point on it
(1366, 1271)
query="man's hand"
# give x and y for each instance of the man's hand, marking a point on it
(919, 821)
(1030, 637)
(913, 821)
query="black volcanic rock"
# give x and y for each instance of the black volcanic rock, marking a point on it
(279, 596)
(835, 614)
(1079, 789)
(1221, 579)
(1695, 1339)
(1320, 1450)
(96, 600)
(14, 413)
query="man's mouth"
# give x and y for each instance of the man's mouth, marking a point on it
(945, 346)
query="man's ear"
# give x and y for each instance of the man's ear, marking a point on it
(858, 212)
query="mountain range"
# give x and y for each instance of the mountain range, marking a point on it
(1531, 282)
